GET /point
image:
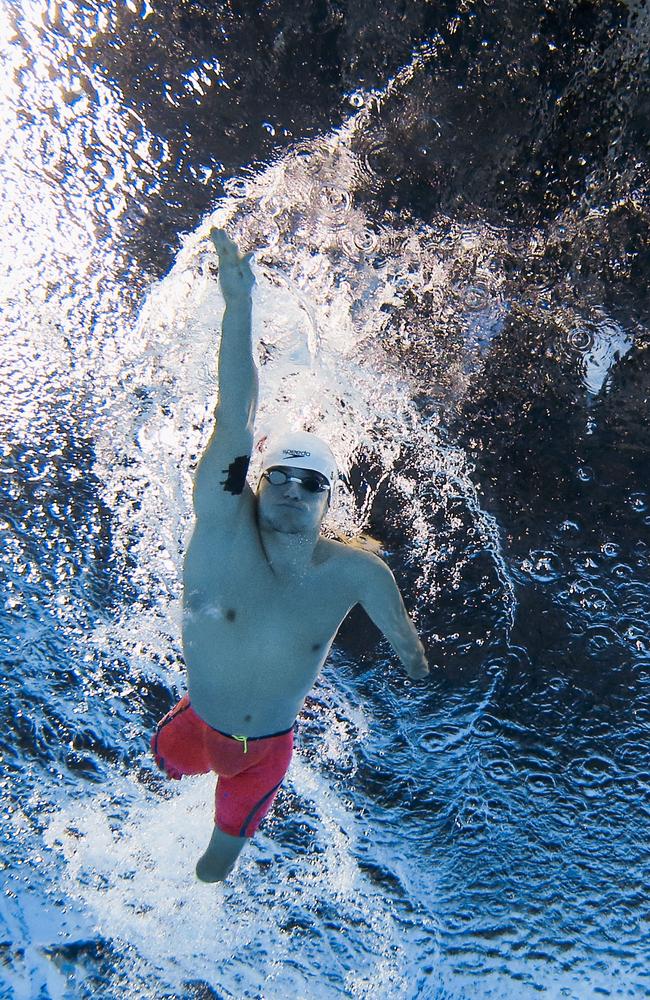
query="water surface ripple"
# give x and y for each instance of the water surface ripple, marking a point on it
(449, 209)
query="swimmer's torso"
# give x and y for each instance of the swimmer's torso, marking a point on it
(254, 644)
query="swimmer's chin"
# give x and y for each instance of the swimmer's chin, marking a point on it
(281, 527)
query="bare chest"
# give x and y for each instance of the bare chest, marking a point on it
(232, 597)
(254, 644)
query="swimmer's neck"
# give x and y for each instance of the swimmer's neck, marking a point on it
(289, 554)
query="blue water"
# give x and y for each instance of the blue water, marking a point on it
(448, 208)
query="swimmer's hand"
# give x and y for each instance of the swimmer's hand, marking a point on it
(235, 275)
(418, 668)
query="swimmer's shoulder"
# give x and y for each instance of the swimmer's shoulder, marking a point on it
(343, 545)
(354, 559)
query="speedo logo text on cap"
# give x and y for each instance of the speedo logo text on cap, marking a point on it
(292, 453)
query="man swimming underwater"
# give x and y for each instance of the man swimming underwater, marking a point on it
(263, 595)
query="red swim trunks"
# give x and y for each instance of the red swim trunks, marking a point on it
(250, 772)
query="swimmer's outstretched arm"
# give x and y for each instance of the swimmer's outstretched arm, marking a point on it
(238, 380)
(220, 484)
(383, 602)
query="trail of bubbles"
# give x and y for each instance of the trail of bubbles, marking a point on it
(129, 864)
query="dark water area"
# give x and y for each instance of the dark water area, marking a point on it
(460, 206)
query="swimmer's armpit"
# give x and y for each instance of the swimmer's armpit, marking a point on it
(236, 475)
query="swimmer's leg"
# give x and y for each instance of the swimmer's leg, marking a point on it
(219, 859)
(242, 800)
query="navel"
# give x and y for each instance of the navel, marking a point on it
(231, 614)
(315, 646)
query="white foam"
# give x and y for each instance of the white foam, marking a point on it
(129, 863)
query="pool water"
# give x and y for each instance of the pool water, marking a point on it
(448, 207)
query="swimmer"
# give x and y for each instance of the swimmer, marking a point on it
(264, 594)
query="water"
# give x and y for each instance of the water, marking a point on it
(449, 209)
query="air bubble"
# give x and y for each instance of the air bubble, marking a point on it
(370, 151)
(476, 297)
(540, 783)
(501, 770)
(637, 502)
(581, 340)
(543, 566)
(334, 204)
(360, 243)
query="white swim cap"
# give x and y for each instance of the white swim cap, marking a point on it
(302, 450)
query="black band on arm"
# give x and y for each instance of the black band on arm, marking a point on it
(236, 475)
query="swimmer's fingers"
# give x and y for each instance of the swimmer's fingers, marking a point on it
(235, 274)
(222, 242)
(227, 248)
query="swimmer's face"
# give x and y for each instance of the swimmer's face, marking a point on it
(289, 507)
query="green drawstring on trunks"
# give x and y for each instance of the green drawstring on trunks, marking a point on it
(244, 740)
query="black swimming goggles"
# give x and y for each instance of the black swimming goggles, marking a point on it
(311, 481)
